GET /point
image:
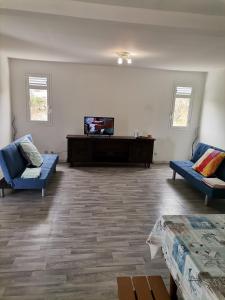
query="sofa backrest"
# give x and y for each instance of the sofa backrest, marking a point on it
(11, 161)
(28, 136)
(200, 150)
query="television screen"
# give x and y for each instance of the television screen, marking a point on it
(99, 125)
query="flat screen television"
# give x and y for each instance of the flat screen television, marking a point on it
(98, 125)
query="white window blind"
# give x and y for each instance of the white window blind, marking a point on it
(38, 98)
(38, 81)
(183, 91)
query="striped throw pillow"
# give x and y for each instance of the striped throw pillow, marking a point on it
(209, 162)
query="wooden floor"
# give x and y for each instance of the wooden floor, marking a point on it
(90, 228)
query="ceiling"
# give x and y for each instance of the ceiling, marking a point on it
(164, 34)
(208, 7)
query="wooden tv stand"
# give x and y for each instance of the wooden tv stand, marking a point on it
(84, 149)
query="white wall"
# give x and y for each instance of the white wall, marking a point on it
(212, 130)
(137, 98)
(5, 106)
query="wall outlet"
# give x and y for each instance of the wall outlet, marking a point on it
(52, 152)
(46, 151)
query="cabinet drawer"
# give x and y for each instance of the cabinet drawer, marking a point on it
(141, 152)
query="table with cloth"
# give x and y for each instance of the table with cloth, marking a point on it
(194, 250)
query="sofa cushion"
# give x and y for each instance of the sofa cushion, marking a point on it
(184, 167)
(47, 168)
(31, 173)
(209, 162)
(200, 150)
(30, 153)
(11, 161)
(49, 161)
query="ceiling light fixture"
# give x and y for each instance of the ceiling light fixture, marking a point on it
(124, 56)
(129, 60)
(120, 60)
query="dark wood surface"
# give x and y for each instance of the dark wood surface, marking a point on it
(109, 149)
(112, 137)
(142, 288)
(90, 229)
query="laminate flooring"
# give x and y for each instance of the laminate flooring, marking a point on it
(90, 228)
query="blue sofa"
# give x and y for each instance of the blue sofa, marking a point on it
(184, 168)
(13, 165)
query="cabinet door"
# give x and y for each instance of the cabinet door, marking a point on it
(110, 150)
(141, 151)
(79, 150)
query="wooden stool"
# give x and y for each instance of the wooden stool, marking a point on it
(142, 288)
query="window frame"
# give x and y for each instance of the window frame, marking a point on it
(49, 102)
(189, 118)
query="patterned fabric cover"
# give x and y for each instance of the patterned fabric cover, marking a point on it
(31, 173)
(194, 249)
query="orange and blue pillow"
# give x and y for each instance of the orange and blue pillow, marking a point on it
(209, 162)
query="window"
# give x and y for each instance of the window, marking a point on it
(181, 106)
(38, 98)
